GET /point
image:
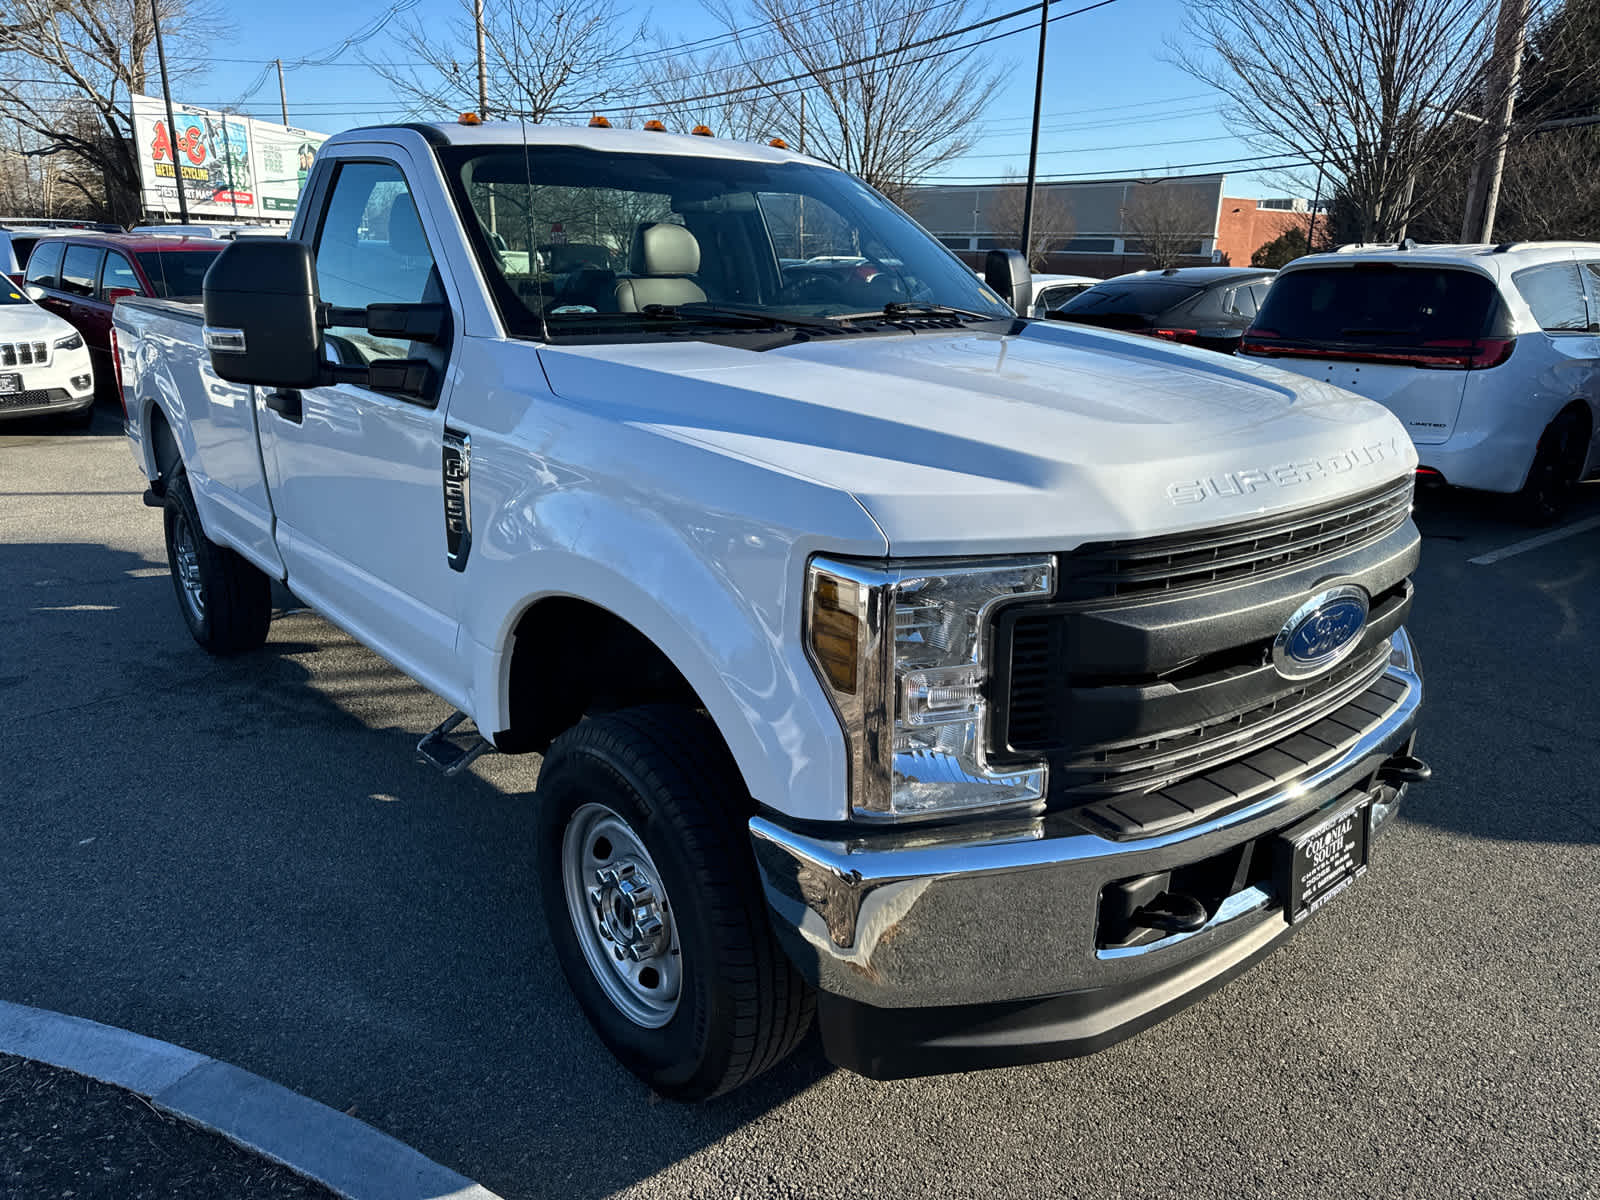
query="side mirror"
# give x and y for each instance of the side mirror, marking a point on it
(1006, 271)
(112, 295)
(34, 292)
(261, 311)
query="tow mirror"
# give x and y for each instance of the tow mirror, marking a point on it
(261, 315)
(1006, 271)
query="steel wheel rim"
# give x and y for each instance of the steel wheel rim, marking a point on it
(621, 915)
(186, 558)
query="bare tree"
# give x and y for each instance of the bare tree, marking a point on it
(1169, 219)
(1053, 221)
(910, 107)
(709, 89)
(66, 74)
(1369, 88)
(541, 55)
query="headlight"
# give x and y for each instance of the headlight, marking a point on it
(903, 651)
(70, 342)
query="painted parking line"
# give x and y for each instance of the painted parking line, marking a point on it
(1533, 543)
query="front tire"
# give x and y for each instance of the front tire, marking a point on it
(654, 905)
(225, 601)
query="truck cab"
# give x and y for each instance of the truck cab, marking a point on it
(987, 687)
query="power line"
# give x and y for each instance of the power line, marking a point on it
(769, 85)
(1133, 174)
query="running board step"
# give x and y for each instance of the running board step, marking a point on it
(453, 754)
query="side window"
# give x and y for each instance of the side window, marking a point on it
(118, 273)
(80, 269)
(1591, 280)
(1259, 291)
(1555, 294)
(1241, 302)
(371, 250)
(44, 266)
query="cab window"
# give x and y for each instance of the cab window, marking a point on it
(118, 273)
(371, 250)
(80, 268)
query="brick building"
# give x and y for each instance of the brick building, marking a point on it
(1097, 220)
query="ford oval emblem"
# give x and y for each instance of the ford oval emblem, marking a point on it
(1322, 631)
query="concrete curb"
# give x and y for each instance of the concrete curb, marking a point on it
(309, 1138)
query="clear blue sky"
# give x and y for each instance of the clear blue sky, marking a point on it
(1113, 103)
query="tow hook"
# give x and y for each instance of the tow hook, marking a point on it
(1401, 769)
(1172, 912)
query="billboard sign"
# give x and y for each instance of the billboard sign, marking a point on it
(230, 167)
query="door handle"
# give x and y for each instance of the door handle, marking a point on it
(286, 403)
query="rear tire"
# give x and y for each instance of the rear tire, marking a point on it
(654, 904)
(225, 601)
(1557, 464)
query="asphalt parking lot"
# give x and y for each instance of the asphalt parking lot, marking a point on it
(246, 858)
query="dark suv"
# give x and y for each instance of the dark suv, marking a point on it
(1209, 307)
(81, 276)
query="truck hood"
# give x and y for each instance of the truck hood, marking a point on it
(970, 442)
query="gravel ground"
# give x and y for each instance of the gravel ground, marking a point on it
(245, 858)
(62, 1136)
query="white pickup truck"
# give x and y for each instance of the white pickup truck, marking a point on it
(988, 688)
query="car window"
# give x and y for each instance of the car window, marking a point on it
(371, 250)
(118, 273)
(45, 264)
(1377, 304)
(1129, 298)
(80, 269)
(21, 247)
(1591, 278)
(1259, 291)
(1555, 294)
(1239, 302)
(174, 274)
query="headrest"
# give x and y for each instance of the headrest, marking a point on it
(663, 249)
(405, 228)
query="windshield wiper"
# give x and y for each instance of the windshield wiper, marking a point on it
(919, 308)
(717, 314)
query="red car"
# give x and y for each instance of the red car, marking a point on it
(81, 276)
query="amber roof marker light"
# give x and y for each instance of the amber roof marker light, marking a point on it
(778, 144)
(469, 118)
(654, 127)
(599, 122)
(702, 131)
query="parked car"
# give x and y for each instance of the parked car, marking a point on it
(44, 363)
(81, 276)
(997, 687)
(1050, 292)
(1198, 306)
(16, 243)
(1489, 355)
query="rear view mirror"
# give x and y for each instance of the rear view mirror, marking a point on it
(1006, 271)
(261, 311)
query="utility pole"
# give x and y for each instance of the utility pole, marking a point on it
(172, 123)
(283, 95)
(1033, 144)
(483, 63)
(1500, 85)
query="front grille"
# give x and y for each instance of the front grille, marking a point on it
(1234, 553)
(1153, 762)
(36, 399)
(24, 354)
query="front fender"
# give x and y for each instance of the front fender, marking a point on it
(716, 584)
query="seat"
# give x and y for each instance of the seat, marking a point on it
(663, 260)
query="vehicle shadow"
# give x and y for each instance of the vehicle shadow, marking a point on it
(1509, 667)
(245, 856)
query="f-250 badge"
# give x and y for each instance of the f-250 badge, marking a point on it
(457, 498)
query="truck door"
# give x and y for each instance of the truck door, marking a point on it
(355, 473)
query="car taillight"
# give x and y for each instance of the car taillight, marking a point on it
(1446, 354)
(116, 372)
(1175, 335)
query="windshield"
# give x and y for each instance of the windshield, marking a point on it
(1128, 299)
(11, 294)
(1379, 305)
(176, 273)
(584, 243)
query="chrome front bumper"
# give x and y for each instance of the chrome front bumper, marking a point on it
(1007, 910)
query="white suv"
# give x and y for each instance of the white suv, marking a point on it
(1490, 355)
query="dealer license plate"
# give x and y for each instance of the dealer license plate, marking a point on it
(10, 384)
(1321, 857)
